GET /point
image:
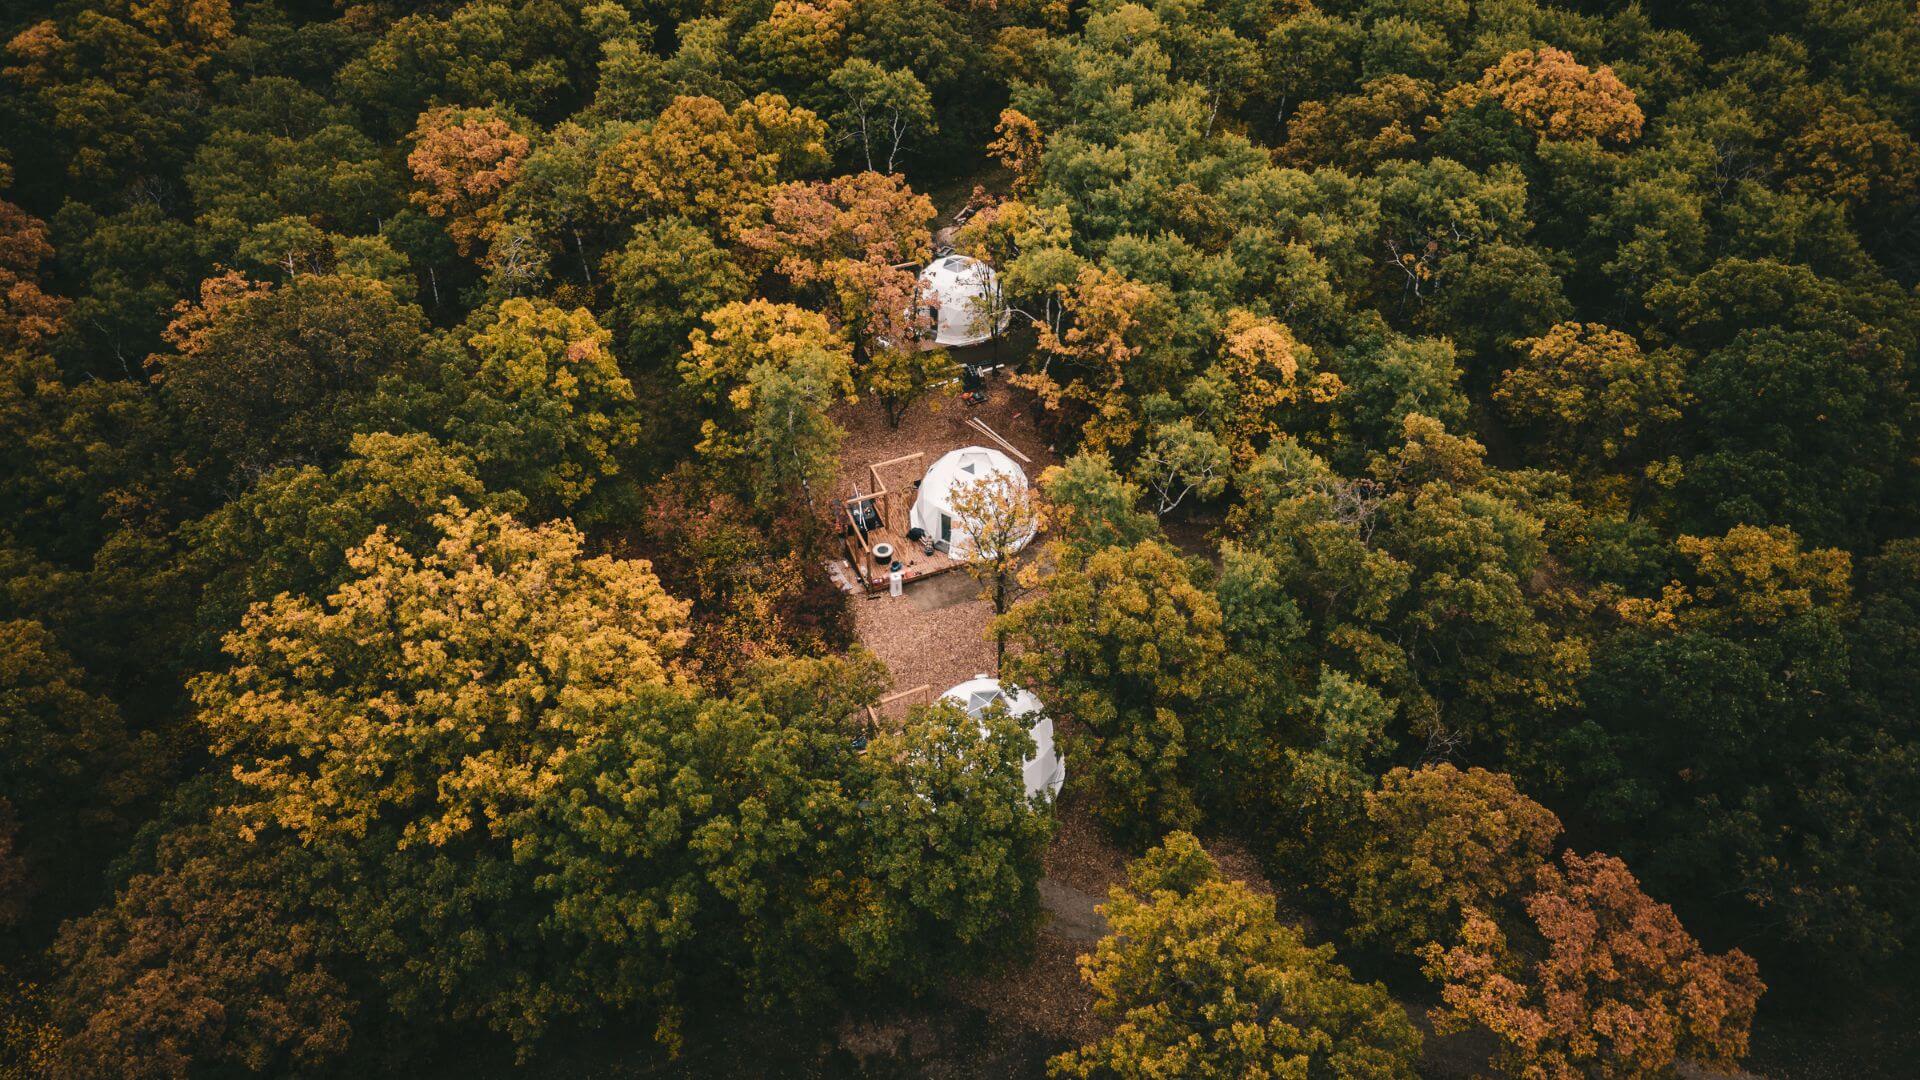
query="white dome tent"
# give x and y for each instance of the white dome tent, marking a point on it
(962, 296)
(932, 511)
(1044, 771)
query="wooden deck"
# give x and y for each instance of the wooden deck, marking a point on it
(914, 563)
(887, 496)
(883, 465)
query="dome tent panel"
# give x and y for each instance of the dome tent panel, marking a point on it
(1044, 771)
(962, 296)
(932, 511)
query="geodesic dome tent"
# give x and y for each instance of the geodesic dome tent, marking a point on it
(1044, 771)
(932, 511)
(962, 296)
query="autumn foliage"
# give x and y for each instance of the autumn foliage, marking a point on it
(1604, 982)
(1443, 842)
(1557, 97)
(1200, 979)
(464, 160)
(1458, 430)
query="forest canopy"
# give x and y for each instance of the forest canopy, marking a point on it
(1477, 574)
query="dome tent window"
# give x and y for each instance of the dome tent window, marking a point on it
(963, 302)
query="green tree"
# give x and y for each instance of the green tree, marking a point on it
(955, 851)
(880, 111)
(534, 396)
(1130, 648)
(263, 375)
(1710, 719)
(668, 274)
(1093, 508)
(117, 85)
(129, 269)
(746, 849)
(1320, 795)
(279, 149)
(81, 458)
(292, 530)
(72, 772)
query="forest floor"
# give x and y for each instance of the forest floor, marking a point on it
(936, 635)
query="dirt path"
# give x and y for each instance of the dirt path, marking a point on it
(1071, 913)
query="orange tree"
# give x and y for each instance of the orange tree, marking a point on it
(1603, 982)
(1556, 97)
(464, 161)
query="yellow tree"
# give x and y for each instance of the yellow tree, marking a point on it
(901, 375)
(764, 374)
(797, 43)
(848, 244)
(1846, 152)
(1262, 372)
(1000, 515)
(1201, 980)
(1556, 97)
(436, 688)
(713, 167)
(1018, 145)
(1750, 579)
(464, 160)
(1589, 395)
(1440, 841)
(1099, 360)
(1360, 130)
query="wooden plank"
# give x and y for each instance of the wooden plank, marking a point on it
(893, 514)
(981, 425)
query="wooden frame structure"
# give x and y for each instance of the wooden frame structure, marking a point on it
(889, 525)
(890, 708)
